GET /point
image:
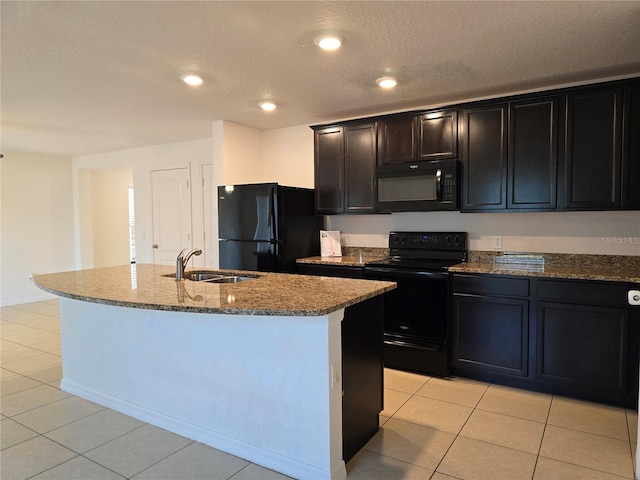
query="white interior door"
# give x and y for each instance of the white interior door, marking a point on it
(171, 213)
(208, 197)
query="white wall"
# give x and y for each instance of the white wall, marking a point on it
(141, 161)
(84, 210)
(246, 155)
(604, 233)
(241, 154)
(36, 222)
(110, 216)
(287, 155)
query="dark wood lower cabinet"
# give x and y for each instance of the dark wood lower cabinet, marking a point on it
(491, 334)
(595, 358)
(362, 374)
(565, 337)
(362, 362)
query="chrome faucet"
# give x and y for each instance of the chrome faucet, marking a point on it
(181, 262)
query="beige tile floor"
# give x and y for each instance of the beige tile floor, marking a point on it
(431, 428)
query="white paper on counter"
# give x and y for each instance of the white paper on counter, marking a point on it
(330, 243)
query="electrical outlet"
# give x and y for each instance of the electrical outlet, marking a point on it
(497, 242)
(335, 374)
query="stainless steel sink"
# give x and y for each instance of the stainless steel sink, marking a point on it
(210, 277)
(228, 279)
(202, 276)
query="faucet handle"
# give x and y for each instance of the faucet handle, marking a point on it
(180, 254)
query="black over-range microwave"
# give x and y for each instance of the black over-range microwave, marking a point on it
(417, 187)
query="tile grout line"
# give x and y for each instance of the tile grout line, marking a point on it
(544, 431)
(162, 459)
(633, 459)
(412, 395)
(78, 455)
(83, 455)
(461, 428)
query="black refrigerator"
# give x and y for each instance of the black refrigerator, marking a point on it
(266, 227)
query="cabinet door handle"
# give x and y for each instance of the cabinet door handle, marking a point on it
(634, 297)
(155, 245)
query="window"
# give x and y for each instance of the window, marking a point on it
(132, 228)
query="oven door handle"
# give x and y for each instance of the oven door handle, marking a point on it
(432, 347)
(371, 272)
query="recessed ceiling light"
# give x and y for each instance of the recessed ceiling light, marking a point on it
(328, 42)
(267, 106)
(191, 79)
(386, 82)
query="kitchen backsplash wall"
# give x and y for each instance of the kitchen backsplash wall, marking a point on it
(601, 233)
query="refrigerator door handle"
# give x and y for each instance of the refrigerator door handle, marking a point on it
(272, 211)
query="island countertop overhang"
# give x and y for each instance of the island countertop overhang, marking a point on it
(146, 286)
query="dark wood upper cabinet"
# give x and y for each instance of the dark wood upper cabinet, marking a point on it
(483, 147)
(345, 161)
(533, 154)
(576, 148)
(329, 170)
(359, 167)
(631, 151)
(438, 135)
(397, 140)
(593, 146)
(409, 138)
(510, 156)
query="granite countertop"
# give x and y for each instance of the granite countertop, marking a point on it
(611, 268)
(607, 268)
(344, 261)
(144, 286)
(351, 257)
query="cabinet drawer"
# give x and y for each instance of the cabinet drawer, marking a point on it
(491, 285)
(330, 270)
(586, 292)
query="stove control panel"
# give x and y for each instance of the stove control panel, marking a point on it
(428, 240)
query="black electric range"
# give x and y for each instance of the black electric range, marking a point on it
(416, 313)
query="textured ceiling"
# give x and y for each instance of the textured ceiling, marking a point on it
(88, 77)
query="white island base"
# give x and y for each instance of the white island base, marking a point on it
(263, 388)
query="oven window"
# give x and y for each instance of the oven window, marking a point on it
(407, 189)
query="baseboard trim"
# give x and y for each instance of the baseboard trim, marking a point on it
(251, 453)
(37, 298)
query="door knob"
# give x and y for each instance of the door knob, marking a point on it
(155, 245)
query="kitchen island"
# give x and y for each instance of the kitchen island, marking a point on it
(255, 368)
